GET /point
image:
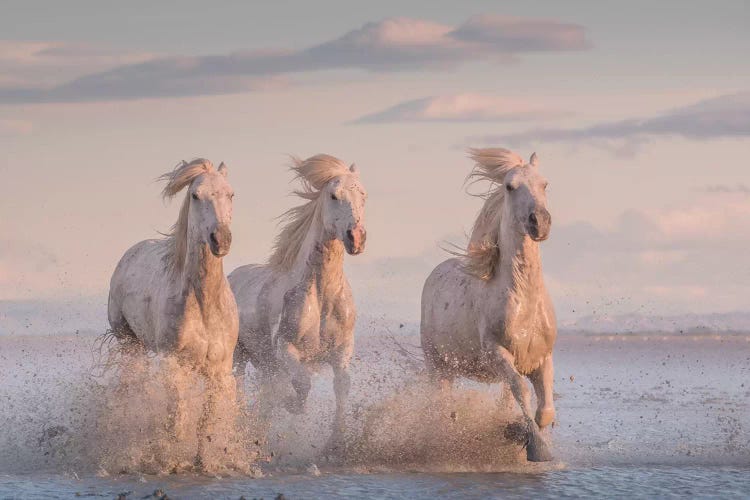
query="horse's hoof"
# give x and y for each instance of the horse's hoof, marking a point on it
(536, 449)
(544, 417)
(198, 463)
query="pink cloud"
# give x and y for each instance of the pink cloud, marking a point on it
(392, 44)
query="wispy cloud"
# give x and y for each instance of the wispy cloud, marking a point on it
(36, 63)
(460, 108)
(522, 35)
(727, 116)
(389, 45)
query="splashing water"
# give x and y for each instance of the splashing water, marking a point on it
(421, 429)
(116, 414)
(677, 402)
(397, 421)
(136, 428)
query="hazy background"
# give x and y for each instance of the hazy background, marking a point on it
(640, 115)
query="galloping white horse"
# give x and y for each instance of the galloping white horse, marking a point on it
(297, 311)
(171, 294)
(488, 315)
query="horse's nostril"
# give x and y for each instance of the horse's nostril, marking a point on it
(532, 218)
(350, 234)
(214, 240)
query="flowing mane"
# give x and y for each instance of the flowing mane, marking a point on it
(314, 173)
(483, 251)
(177, 180)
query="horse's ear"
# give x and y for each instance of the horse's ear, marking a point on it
(353, 169)
(533, 161)
(223, 169)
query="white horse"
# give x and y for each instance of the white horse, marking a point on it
(487, 315)
(171, 295)
(297, 311)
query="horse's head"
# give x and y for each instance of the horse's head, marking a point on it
(210, 210)
(343, 210)
(526, 200)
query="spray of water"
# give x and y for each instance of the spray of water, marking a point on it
(115, 412)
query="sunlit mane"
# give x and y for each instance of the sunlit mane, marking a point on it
(483, 251)
(179, 178)
(314, 173)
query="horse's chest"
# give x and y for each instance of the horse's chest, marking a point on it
(207, 335)
(336, 320)
(325, 322)
(525, 330)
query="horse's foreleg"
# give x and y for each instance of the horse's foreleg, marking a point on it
(536, 448)
(218, 389)
(341, 386)
(336, 445)
(205, 427)
(177, 407)
(542, 379)
(291, 362)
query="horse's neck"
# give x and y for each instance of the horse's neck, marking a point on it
(520, 266)
(321, 259)
(203, 274)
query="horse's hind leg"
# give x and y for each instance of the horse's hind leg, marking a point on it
(121, 330)
(438, 373)
(542, 379)
(536, 449)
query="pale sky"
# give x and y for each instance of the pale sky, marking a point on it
(639, 112)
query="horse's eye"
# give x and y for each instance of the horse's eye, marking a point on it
(231, 196)
(334, 197)
(546, 184)
(195, 196)
(509, 187)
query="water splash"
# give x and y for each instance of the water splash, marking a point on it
(111, 412)
(134, 426)
(420, 428)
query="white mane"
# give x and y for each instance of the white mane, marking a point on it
(177, 179)
(314, 173)
(483, 251)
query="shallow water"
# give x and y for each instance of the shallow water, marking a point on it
(622, 481)
(637, 416)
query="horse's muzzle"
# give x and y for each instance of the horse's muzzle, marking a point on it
(539, 224)
(354, 242)
(220, 240)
